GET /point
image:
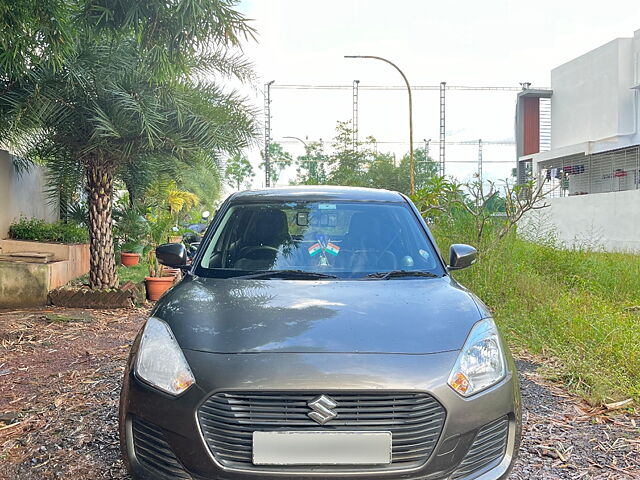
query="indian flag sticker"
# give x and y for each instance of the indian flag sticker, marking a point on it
(332, 248)
(314, 249)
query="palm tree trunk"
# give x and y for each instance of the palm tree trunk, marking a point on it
(102, 273)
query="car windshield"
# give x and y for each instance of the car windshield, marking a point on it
(339, 239)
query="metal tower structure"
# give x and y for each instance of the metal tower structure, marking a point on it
(267, 133)
(443, 87)
(480, 161)
(427, 144)
(354, 122)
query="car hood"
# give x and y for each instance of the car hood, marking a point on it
(409, 316)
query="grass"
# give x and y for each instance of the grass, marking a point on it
(579, 310)
(133, 274)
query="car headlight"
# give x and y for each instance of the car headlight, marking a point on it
(160, 361)
(481, 363)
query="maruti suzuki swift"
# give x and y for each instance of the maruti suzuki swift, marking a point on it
(318, 333)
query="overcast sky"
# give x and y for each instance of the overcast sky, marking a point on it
(473, 43)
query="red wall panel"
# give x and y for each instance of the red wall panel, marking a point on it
(531, 125)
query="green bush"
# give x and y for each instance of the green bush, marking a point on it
(578, 310)
(38, 230)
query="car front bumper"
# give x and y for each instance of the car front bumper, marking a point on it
(173, 445)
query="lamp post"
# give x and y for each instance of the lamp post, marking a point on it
(411, 173)
(267, 133)
(298, 139)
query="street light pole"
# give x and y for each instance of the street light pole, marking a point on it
(411, 173)
(298, 139)
(267, 133)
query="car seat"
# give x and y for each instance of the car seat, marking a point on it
(267, 231)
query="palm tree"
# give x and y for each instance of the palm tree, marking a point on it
(115, 101)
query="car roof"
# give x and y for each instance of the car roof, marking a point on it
(317, 193)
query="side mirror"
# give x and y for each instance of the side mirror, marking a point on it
(461, 256)
(172, 255)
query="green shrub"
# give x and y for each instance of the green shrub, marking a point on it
(580, 310)
(38, 230)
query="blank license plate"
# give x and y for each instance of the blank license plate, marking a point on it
(321, 448)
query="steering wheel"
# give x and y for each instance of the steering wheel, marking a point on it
(257, 248)
(386, 250)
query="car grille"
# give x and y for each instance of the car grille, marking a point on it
(228, 421)
(154, 453)
(487, 449)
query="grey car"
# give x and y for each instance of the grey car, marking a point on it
(318, 333)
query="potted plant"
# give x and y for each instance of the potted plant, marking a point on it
(162, 220)
(131, 228)
(159, 227)
(130, 254)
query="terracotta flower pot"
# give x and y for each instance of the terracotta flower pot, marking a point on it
(156, 286)
(129, 259)
(175, 238)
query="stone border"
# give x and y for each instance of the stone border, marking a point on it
(128, 295)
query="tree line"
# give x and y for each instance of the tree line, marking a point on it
(344, 163)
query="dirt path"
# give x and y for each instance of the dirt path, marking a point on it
(60, 377)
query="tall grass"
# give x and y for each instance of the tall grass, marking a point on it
(578, 309)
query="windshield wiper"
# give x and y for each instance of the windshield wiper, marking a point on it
(400, 274)
(292, 274)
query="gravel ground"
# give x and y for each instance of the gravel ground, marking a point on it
(566, 439)
(60, 372)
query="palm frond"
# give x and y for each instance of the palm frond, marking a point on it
(228, 64)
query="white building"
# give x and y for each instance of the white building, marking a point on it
(592, 162)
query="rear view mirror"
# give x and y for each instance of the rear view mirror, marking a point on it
(172, 255)
(461, 256)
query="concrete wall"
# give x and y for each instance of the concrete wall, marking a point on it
(592, 96)
(77, 254)
(27, 284)
(23, 284)
(22, 195)
(608, 221)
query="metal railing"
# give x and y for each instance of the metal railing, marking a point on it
(614, 171)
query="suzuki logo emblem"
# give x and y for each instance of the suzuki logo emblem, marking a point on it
(322, 409)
